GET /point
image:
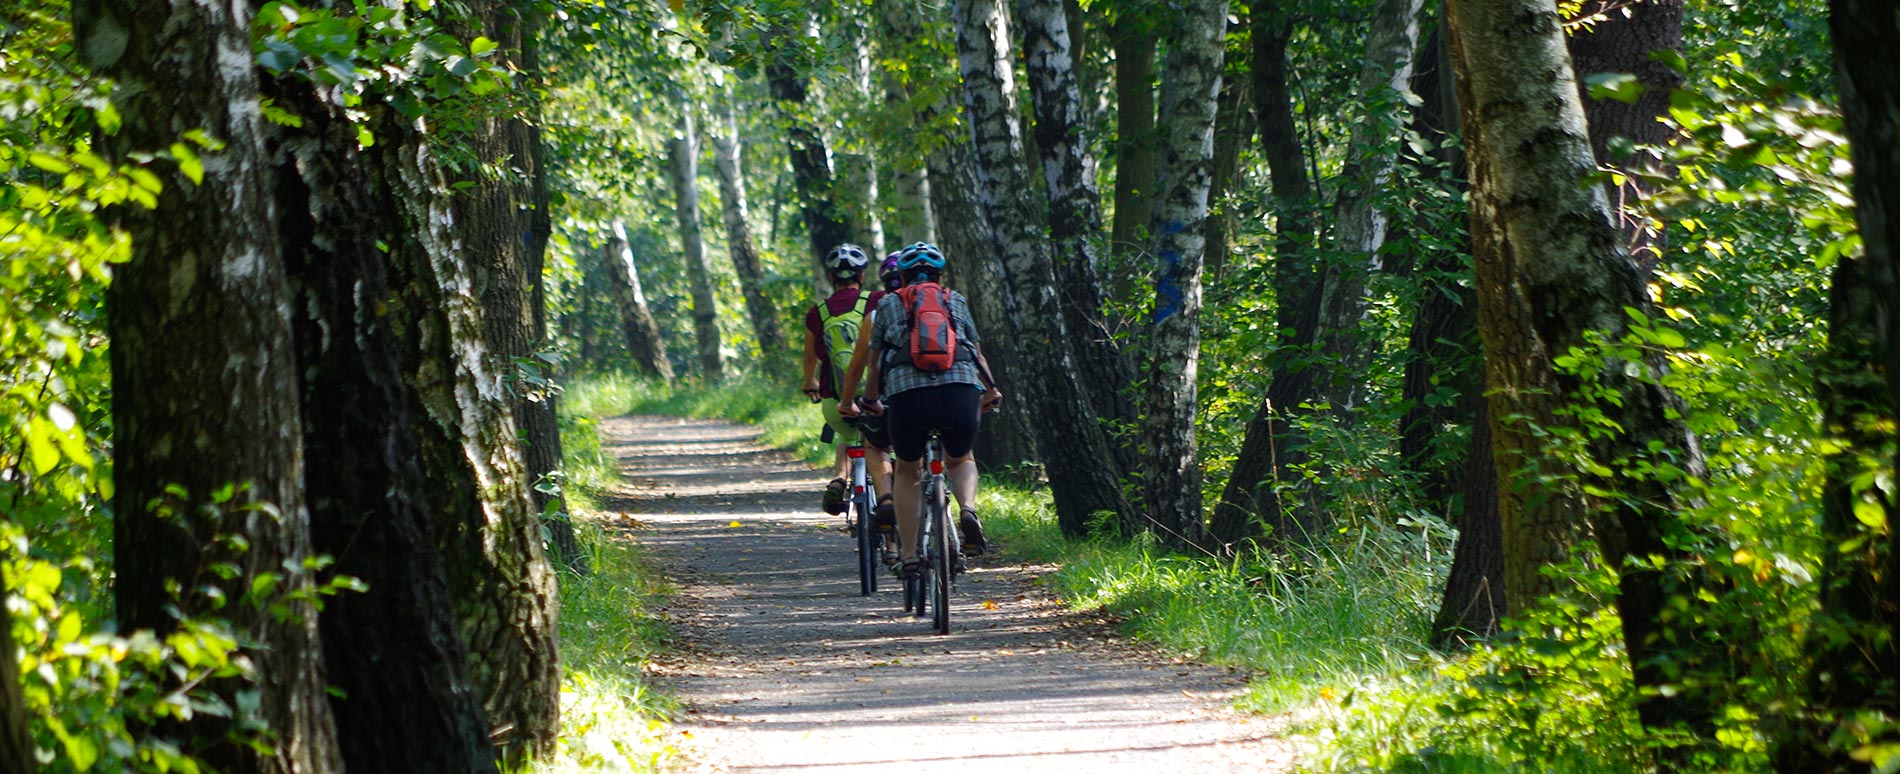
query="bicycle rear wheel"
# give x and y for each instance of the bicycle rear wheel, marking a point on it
(867, 547)
(941, 562)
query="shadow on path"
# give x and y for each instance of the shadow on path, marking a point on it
(792, 670)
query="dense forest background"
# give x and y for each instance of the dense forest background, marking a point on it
(1579, 314)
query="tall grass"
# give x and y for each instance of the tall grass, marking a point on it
(612, 717)
(1309, 628)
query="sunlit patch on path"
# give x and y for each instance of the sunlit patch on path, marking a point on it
(789, 669)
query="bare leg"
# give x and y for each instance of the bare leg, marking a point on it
(962, 474)
(877, 468)
(842, 468)
(909, 501)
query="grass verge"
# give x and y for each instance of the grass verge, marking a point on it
(612, 717)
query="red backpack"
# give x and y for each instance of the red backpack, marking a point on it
(933, 333)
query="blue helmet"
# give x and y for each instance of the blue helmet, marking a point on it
(919, 259)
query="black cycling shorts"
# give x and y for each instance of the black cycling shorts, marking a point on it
(950, 409)
(879, 438)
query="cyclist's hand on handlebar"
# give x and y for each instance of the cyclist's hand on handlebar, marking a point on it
(874, 407)
(848, 409)
(992, 399)
(811, 389)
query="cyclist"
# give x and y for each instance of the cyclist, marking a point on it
(920, 401)
(831, 328)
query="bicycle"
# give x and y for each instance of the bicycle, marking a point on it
(860, 519)
(928, 591)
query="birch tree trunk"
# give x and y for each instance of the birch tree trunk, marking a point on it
(1359, 226)
(1190, 81)
(1552, 272)
(745, 256)
(913, 216)
(1075, 220)
(483, 521)
(1082, 479)
(1856, 655)
(405, 700)
(1264, 494)
(1009, 437)
(1233, 129)
(644, 341)
(825, 221)
(205, 397)
(503, 217)
(683, 162)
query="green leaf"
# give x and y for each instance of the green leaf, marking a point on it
(49, 162)
(40, 449)
(1870, 513)
(1622, 87)
(188, 163)
(480, 47)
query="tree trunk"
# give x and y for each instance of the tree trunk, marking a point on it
(16, 748)
(745, 256)
(644, 341)
(1443, 359)
(1254, 500)
(1075, 221)
(1132, 34)
(913, 216)
(1856, 658)
(1625, 37)
(1359, 226)
(504, 223)
(404, 700)
(1082, 479)
(1190, 80)
(1233, 129)
(811, 163)
(1552, 272)
(683, 161)
(483, 520)
(208, 459)
(1009, 437)
(1474, 600)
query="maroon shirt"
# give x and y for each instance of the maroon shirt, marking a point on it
(839, 303)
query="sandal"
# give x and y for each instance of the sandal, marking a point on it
(834, 497)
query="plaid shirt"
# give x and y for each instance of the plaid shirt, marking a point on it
(890, 331)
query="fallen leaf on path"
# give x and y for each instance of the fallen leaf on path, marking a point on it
(734, 525)
(989, 604)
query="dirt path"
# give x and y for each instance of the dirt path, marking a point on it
(791, 670)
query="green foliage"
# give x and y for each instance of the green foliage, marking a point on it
(1555, 696)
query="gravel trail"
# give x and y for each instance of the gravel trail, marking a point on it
(788, 669)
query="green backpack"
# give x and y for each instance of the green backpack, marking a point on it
(840, 334)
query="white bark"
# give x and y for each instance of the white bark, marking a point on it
(683, 152)
(1190, 88)
(1359, 227)
(1081, 478)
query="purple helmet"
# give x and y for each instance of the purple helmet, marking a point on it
(893, 279)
